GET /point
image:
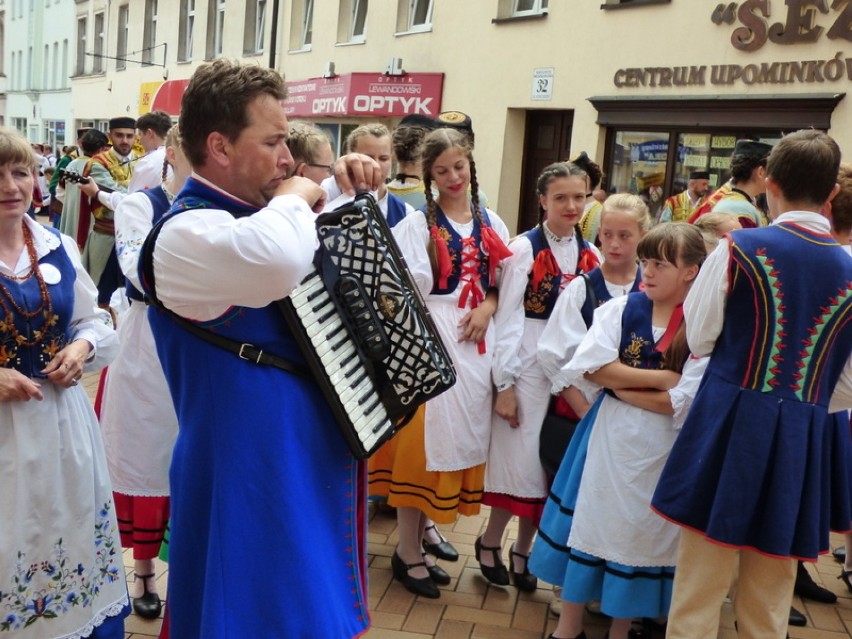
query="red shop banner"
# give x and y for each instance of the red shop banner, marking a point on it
(374, 94)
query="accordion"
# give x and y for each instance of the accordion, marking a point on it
(364, 329)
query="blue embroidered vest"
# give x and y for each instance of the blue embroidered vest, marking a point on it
(598, 285)
(454, 245)
(538, 304)
(396, 210)
(265, 326)
(637, 347)
(30, 360)
(161, 204)
(796, 328)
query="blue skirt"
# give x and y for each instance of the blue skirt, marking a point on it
(624, 591)
(755, 471)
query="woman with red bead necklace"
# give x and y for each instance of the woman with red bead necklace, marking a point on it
(61, 573)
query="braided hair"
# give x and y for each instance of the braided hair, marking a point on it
(172, 139)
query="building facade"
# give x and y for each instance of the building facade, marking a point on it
(652, 89)
(37, 36)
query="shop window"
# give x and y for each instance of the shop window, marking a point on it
(639, 166)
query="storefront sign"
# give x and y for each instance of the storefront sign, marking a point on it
(836, 69)
(162, 96)
(800, 25)
(654, 151)
(374, 94)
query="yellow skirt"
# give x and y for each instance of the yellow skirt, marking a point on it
(398, 472)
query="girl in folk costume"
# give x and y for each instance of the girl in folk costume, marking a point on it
(543, 261)
(454, 249)
(598, 537)
(137, 416)
(624, 221)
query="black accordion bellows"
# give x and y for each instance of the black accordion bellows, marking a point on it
(364, 329)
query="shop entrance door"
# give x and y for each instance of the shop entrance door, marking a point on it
(547, 139)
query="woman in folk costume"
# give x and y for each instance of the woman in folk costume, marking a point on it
(454, 249)
(404, 191)
(598, 537)
(624, 221)
(137, 416)
(542, 263)
(61, 573)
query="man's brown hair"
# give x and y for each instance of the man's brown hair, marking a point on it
(804, 165)
(217, 99)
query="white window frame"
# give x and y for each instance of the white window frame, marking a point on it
(44, 68)
(187, 30)
(82, 32)
(149, 32)
(413, 7)
(98, 65)
(255, 28)
(121, 39)
(538, 7)
(358, 7)
(54, 83)
(306, 34)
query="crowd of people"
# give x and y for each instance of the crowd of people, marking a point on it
(703, 361)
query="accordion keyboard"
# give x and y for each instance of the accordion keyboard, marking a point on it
(357, 400)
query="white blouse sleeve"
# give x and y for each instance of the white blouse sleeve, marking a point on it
(133, 220)
(704, 308)
(563, 333)
(88, 321)
(412, 237)
(683, 394)
(207, 261)
(510, 317)
(598, 348)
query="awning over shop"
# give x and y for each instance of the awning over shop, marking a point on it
(163, 96)
(778, 112)
(373, 94)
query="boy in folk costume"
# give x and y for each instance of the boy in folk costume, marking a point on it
(761, 469)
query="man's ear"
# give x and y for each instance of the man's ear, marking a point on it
(219, 149)
(772, 187)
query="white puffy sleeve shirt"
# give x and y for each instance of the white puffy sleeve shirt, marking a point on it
(207, 261)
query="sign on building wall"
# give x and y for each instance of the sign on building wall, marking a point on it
(542, 83)
(374, 94)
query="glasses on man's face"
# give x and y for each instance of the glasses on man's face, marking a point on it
(329, 168)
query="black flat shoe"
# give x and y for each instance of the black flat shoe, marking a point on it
(582, 635)
(839, 554)
(438, 574)
(797, 618)
(846, 576)
(148, 606)
(496, 574)
(807, 588)
(443, 549)
(424, 587)
(525, 581)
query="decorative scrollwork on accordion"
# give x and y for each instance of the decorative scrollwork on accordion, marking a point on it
(356, 245)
